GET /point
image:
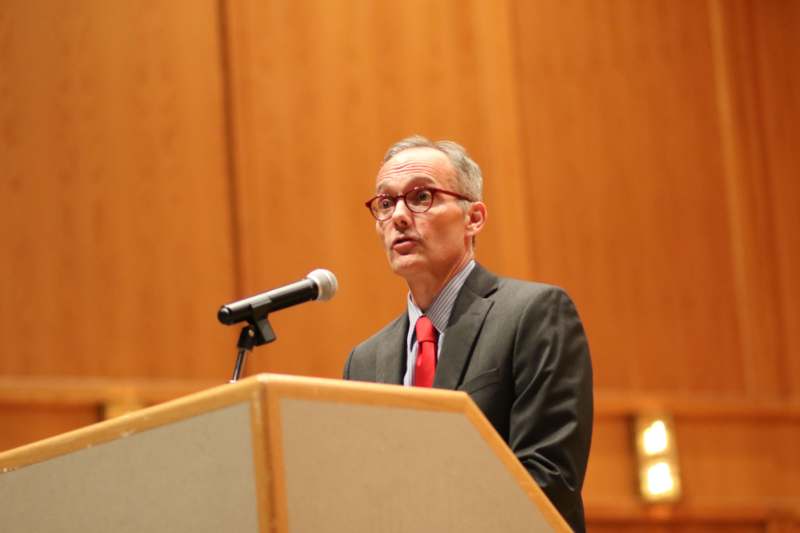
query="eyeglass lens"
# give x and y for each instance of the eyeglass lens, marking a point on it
(417, 200)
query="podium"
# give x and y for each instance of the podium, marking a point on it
(280, 454)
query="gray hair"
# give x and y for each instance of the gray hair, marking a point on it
(468, 174)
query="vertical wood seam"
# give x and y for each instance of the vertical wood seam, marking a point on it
(742, 156)
(764, 208)
(229, 124)
(729, 147)
(523, 139)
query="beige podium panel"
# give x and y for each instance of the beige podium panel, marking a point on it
(279, 454)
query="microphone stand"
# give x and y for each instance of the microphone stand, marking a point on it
(258, 331)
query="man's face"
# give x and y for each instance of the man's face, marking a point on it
(430, 243)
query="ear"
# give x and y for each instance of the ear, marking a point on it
(475, 218)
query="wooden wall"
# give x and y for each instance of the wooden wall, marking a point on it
(160, 158)
(117, 231)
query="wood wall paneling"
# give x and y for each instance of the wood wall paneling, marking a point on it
(623, 527)
(777, 59)
(627, 189)
(116, 228)
(745, 166)
(611, 481)
(744, 463)
(23, 424)
(737, 470)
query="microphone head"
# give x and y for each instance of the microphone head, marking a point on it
(326, 283)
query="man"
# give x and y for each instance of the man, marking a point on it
(517, 348)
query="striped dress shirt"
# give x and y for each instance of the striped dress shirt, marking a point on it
(439, 315)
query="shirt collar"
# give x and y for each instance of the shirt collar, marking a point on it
(442, 306)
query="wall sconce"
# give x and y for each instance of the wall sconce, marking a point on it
(657, 459)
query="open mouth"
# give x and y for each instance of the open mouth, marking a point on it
(403, 244)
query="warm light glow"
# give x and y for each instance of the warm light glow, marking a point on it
(659, 479)
(657, 458)
(655, 438)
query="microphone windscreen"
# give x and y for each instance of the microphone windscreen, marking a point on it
(326, 283)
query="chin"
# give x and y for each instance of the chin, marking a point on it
(405, 265)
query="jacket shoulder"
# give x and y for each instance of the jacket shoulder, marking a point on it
(486, 284)
(515, 290)
(371, 344)
(362, 364)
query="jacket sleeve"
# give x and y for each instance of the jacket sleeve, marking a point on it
(550, 424)
(346, 371)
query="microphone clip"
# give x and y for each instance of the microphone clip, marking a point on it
(258, 331)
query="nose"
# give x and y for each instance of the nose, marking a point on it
(401, 217)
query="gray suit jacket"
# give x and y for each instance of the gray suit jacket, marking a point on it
(519, 350)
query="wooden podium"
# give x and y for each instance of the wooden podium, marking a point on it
(279, 454)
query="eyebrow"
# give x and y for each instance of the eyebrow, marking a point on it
(413, 182)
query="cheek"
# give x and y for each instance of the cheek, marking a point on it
(447, 231)
(380, 231)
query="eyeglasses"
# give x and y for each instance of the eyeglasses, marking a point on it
(418, 200)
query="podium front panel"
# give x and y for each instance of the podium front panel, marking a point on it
(367, 468)
(192, 475)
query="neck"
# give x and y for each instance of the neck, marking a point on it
(426, 287)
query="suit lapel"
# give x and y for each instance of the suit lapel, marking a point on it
(469, 312)
(391, 358)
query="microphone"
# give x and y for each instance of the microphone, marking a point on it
(320, 284)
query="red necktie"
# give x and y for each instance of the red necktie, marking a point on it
(426, 353)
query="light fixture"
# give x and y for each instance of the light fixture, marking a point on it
(657, 458)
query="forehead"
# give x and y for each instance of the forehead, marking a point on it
(426, 165)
